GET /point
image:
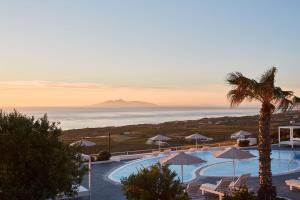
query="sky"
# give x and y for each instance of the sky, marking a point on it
(75, 53)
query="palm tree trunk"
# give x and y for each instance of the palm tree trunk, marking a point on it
(266, 190)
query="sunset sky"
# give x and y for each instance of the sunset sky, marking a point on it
(73, 53)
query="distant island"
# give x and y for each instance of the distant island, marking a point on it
(120, 103)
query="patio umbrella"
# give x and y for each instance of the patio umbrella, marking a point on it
(161, 143)
(197, 137)
(240, 134)
(181, 158)
(159, 138)
(83, 143)
(233, 153)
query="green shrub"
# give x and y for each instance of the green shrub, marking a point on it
(241, 194)
(34, 162)
(155, 182)
(243, 143)
(244, 194)
(103, 155)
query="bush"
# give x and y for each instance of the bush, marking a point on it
(244, 194)
(103, 155)
(155, 182)
(243, 143)
(241, 194)
(35, 163)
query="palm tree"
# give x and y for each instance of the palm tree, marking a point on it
(271, 98)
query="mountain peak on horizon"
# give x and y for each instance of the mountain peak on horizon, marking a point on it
(120, 103)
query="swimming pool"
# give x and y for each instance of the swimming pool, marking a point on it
(282, 162)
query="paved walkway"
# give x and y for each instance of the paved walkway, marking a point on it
(104, 189)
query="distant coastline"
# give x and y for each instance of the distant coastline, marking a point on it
(120, 103)
(91, 117)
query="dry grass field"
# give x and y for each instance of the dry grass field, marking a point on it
(133, 137)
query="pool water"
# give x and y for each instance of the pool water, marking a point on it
(282, 162)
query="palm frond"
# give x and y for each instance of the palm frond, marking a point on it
(296, 102)
(279, 94)
(236, 96)
(269, 76)
(284, 104)
(237, 79)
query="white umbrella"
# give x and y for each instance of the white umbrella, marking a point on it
(181, 158)
(240, 134)
(159, 138)
(161, 143)
(233, 153)
(83, 143)
(197, 137)
(88, 158)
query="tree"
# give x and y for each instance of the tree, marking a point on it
(154, 183)
(270, 98)
(35, 164)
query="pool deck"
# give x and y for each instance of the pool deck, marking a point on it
(104, 189)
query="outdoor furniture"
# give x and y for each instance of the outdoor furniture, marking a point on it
(155, 153)
(293, 141)
(81, 192)
(193, 190)
(252, 141)
(293, 183)
(219, 189)
(167, 152)
(241, 181)
(205, 148)
(192, 149)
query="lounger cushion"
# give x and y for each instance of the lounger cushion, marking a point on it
(293, 182)
(208, 186)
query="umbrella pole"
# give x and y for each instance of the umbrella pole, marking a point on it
(159, 146)
(233, 163)
(196, 144)
(182, 173)
(90, 169)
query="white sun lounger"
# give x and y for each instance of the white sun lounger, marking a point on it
(293, 183)
(241, 181)
(219, 189)
(167, 152)
(81, 192)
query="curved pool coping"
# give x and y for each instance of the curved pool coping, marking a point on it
(197, 172)
(203, 169)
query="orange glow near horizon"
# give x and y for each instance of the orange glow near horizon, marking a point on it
(41, 93)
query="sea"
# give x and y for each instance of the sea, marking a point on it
(89, 117)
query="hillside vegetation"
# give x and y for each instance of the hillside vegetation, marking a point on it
(133, 137)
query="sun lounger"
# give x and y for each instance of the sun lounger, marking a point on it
(192, 149)
(81, 192)
(219, 189)
(193, 190)
(241, 181)
(293, 183)
(167, 151)
(205, 148)
(155, 153)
